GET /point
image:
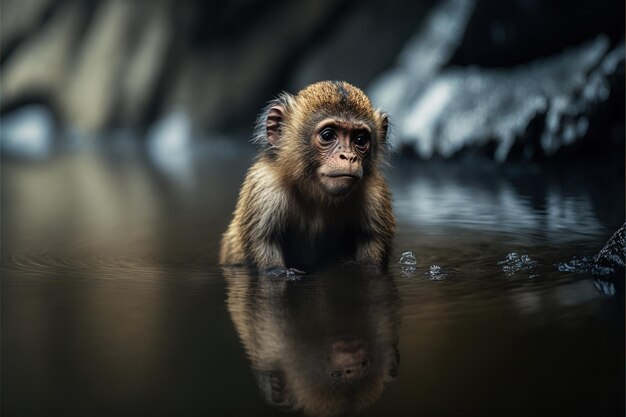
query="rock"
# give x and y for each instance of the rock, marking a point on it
(235, 78)
(531, 110)
(93, 78)
(408, 264)
(610, 260)
(24, 16)
(475, 77)
(437, 273)
(366, 43)
(515, 264)
(407, 258)
(38, 68)
(110, 64)
(613, 253)
(423, 57)
(108, 76)
(506, 34)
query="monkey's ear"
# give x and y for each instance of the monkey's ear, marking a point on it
(384, 124)
(273, 123)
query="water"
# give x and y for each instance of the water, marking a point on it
(112, 303)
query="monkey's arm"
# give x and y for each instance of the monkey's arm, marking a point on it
(372, 252)
(238, 249)
(267, 255)
(259, 218)
(378, 226)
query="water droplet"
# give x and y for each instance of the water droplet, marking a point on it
(408, 258)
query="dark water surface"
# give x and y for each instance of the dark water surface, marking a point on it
(112, 303)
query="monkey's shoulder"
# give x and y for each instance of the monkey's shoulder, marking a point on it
(263, 187)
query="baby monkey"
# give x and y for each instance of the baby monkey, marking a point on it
(315, 195)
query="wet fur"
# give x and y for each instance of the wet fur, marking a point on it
(284, 219)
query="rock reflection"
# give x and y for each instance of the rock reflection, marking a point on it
(326, 344)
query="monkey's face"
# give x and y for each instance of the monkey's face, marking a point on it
(344, 139)
(342, 147)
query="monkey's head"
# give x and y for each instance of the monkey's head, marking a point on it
(328, 137)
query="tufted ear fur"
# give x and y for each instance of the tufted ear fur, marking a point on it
(384, 125)
(273, 123)
(271, 120)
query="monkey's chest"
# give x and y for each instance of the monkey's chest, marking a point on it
(310, 248)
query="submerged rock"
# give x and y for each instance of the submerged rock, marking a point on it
(515, 263)
(608, 261)
(408, 264)
(585, 264)
(407, 258)
(437, 273)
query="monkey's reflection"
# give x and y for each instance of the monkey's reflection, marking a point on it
(324, 344)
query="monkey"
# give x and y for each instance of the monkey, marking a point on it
(315, 194)
(319, 347)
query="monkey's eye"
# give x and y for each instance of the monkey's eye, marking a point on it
(327, 135)
(361, 140)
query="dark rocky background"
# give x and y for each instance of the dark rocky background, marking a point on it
(521, 79)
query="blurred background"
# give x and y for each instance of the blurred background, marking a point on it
(522, 79)
(124, 133)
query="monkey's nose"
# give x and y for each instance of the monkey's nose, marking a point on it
(350, 157)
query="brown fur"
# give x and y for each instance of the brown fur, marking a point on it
(284, 218)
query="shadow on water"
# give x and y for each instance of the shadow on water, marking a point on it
(112, 303)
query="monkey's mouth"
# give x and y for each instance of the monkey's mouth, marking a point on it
(343, 175)
(339, 183)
